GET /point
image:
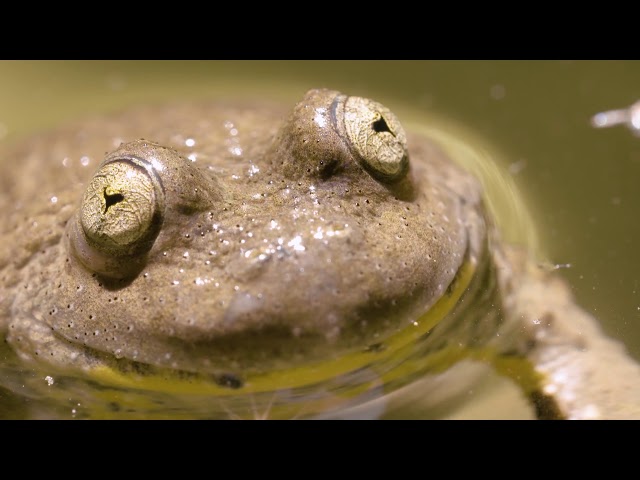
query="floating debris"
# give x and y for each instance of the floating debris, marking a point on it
(625, 116)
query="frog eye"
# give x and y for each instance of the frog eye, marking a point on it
(122, 207)
(376, 137)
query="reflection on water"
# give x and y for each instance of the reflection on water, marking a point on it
(502, 197)
(532, 117)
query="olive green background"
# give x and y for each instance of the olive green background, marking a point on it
(581, 184)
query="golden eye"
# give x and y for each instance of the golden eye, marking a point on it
(376, 138)
(122, 207)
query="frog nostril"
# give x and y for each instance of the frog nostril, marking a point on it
(380, 126)
(111, 199)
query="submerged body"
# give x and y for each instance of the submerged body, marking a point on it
(157, 261)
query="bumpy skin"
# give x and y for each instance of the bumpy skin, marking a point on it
(275, 242)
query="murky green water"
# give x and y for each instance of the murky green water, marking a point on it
(579, 183)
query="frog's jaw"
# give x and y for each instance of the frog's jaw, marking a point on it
(462, 325)
(107, 388)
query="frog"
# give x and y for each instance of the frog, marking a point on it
(204, 258)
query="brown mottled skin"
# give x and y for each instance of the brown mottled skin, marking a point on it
(276, 247)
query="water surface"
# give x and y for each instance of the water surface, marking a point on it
(579, 183)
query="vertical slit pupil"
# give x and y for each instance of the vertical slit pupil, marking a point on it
(380, 125)
(110, 200)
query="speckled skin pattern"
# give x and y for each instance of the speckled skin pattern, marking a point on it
(261, 246)
(275, 245)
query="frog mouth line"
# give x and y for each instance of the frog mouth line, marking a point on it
(349, 380)
(130, 374)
